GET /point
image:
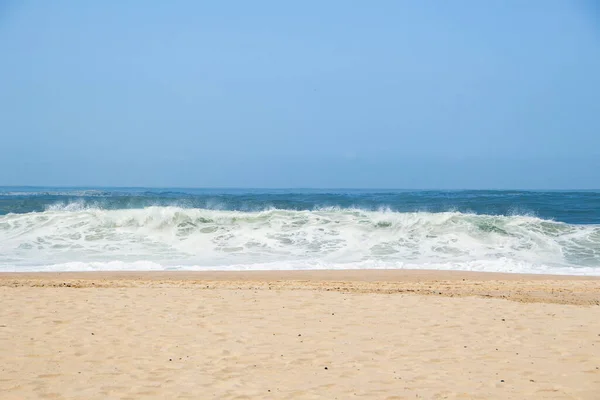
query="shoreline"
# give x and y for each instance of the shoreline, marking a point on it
(526, 288)
(310, 274)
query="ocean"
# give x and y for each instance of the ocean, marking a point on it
(110, 229)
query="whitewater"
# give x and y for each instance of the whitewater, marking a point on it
(77, 235)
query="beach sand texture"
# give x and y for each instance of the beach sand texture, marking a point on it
(311, 335)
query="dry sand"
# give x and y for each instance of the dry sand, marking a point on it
(328, 334)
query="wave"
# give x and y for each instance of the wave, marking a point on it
(78, 236)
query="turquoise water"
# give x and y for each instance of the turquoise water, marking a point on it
(240, 229)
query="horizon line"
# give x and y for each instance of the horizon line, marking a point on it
(299, 188)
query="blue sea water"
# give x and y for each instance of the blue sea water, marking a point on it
(60, 229)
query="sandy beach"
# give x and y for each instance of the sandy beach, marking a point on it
(306, 334)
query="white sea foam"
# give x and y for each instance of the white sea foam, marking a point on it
(76, 237)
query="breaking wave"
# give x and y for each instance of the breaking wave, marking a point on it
(75, 237)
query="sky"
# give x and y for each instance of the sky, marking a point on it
(314, 94)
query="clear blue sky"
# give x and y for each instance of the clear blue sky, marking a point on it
(394, 94)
